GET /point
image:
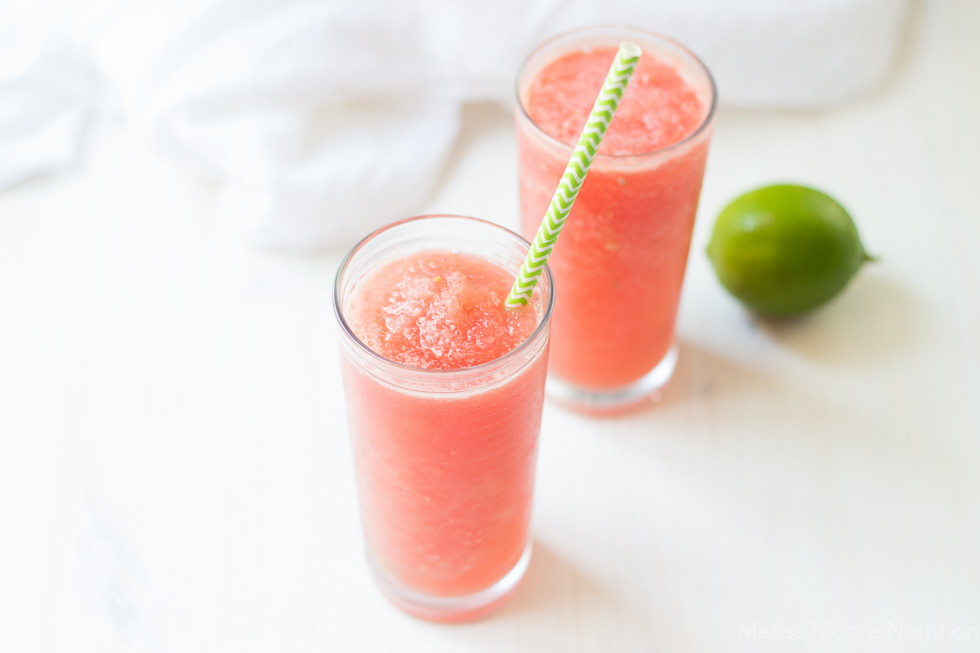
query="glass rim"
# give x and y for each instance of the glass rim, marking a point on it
(712, 87)
(440, 373)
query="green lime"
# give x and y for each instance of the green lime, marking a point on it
(785, 249)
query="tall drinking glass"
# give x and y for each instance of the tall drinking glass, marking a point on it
(620, 260)
(444, 458)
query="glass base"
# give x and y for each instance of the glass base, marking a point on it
(450, 609)
(614, 400)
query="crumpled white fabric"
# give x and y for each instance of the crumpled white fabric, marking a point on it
(324, 119)
(48, 90)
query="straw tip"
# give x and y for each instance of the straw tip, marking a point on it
(630, 50)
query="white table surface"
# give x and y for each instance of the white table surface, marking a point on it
(175, 473)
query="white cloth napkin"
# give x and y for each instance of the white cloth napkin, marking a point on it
(326, 119)
(47, 91)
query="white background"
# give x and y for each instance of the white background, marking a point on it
(175, 473)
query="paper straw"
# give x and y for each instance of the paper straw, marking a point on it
(578, 166)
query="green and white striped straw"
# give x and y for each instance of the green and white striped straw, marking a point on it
(578, 166)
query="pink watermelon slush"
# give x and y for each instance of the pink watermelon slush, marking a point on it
(445, 446)
(620, 260)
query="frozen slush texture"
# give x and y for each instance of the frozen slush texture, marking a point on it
(658, 108)
(439, 310)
